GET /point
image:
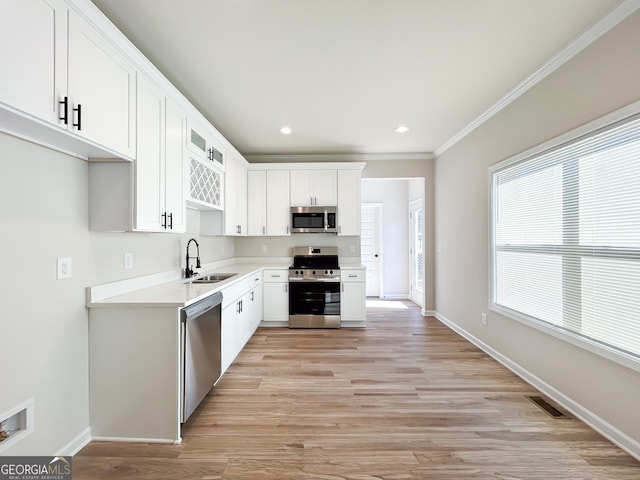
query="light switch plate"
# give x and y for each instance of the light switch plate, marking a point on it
(128, 261)
(64, 268)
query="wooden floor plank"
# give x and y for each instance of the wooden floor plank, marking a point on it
(404, 398)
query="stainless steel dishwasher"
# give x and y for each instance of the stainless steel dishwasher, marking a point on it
(201, 346)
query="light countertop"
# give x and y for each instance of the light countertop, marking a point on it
(178, 293)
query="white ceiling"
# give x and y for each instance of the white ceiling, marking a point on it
(343, 74)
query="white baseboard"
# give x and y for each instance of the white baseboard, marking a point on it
(428, 313)
(616, 436)
(401, 296)
(76, 444)
(274, 324)
(137, 440)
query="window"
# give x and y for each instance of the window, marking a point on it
(565, 228)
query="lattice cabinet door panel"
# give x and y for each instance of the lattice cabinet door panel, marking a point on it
(206, 184)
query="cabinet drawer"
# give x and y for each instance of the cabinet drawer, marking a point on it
(233, 292)
(256, 280)
(275, 276)
(352, 275)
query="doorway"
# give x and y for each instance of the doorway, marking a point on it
(416, 251)
(371, 247)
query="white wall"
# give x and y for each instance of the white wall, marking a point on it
(601, 79)
(282, 246)
(43, 321)
(394, 196)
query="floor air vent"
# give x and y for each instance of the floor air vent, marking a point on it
(547, 407)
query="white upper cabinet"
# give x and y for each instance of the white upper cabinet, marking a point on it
(149, 171)
(278, 210)
(148, 194)
(235, 211)
(175, 184)
(256, 203)
(268, 203)
(206, 171)
(201, 142)
(59, 69)
(232, 221)
(314, 187)
(33, 80)
(349, 202)
(101, 93)
(159, 167)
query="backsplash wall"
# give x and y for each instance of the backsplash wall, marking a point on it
(282, 246)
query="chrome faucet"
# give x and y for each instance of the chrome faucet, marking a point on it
(188, 272)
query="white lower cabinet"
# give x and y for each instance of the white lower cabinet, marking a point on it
(353, 310)
(255, 305)
(239, 305)
(228, 335)
(275, 300)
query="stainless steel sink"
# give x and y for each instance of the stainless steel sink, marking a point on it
(214, 278)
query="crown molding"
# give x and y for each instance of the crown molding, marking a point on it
(336, 157)
(619, 13)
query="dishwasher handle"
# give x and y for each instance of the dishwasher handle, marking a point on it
(201, 307)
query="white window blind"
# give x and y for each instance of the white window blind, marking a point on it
(566, 238)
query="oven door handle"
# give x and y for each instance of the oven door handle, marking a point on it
(307, 280)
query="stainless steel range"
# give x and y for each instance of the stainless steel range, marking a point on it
(314, 288)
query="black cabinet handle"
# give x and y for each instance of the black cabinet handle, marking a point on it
(79, 124)
(164, 220)
(65, 110)
(171, 221)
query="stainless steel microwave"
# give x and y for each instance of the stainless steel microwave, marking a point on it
(314, 220)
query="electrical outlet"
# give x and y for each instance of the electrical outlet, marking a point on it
(263, 248)
(64, 268)
(352, 248)
(484, 319)
(128, 261)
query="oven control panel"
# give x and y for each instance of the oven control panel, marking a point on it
(310, 274)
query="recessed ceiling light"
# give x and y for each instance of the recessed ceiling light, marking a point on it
(402, 129)
(285, 130)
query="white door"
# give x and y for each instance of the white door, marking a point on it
(416, 251)
(371, 247)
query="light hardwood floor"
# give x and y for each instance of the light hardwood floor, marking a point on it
(404, 398)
